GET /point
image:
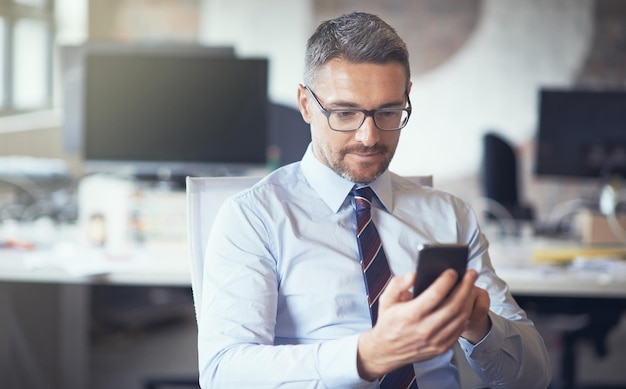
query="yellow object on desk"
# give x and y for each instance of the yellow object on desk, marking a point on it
(556, 254)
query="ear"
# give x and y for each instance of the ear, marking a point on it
(303, 103)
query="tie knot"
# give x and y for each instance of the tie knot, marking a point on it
(363, 197)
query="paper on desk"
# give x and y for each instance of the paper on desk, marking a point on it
(599, 271)
(528, 271)
(610, 265)
(85, 262)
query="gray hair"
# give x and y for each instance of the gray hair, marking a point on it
(357, 37)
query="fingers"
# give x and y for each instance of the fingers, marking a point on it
(481, 304)
(460, 302)
(410, 330)
(397, 290)
(435, 294)
(432, 297)
(479, 323)
(469, 278)
(449, 313)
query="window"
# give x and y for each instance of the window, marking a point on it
(26, 36)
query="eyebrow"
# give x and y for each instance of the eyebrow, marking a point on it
(340, 104)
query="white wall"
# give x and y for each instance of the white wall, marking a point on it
(276, 29)
(491, 83)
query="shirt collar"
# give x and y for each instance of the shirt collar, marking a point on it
(333, 189)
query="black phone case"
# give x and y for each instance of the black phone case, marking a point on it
(433, 259)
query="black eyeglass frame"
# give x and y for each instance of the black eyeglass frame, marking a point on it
(367, 113)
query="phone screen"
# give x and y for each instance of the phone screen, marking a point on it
(434, 259)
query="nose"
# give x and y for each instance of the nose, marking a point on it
(368, 134)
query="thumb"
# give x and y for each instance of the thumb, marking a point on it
(397, 290)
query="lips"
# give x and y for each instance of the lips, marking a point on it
(366, 155)
(366, 152)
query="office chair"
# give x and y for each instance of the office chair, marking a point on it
(204, 197)
(501, 182)
(288, 133)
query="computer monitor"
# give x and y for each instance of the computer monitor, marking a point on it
(72, 66)
(158, 113)
(581, 133)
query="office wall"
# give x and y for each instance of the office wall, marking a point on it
(143, 20)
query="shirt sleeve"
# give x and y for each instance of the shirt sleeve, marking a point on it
(513, 353)
(238, 314)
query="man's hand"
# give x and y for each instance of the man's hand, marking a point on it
(478, 324)
(416, 329)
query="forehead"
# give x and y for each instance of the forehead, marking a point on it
(340, 76)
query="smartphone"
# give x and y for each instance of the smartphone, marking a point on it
(434, 259)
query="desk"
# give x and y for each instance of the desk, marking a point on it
(64, 303)
(163, 266)
(56, 354)
(592, 288)
(512, 260)
(546, 281)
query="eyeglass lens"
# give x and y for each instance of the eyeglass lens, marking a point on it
(352, 120)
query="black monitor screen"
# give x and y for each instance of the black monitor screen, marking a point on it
(581, 133)
(175, 108)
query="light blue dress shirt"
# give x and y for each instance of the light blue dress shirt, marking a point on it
(284, 299)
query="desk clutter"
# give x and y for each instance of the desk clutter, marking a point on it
(32, 188)
(122, 226)
(563, 253)
(118, 214)
(598, 229)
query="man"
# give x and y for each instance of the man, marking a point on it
(285, 302)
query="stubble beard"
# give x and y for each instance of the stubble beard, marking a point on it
(365, 172)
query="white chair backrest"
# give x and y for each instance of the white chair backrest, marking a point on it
(205, 195)
(421, 180)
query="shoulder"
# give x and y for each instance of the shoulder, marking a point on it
(281, 184)
(420, 189)
(442, 214)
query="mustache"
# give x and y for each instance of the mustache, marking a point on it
(365, 149)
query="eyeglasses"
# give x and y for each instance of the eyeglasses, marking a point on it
(344, 120)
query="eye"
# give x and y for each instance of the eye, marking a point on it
(346, 115)
(388, 114)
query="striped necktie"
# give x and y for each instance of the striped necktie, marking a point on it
(377, 275)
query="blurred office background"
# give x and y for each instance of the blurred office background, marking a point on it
(478, 67)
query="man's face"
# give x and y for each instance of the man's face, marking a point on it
(362, 155)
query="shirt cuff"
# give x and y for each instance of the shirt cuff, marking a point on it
(338, 363)
(488, 346)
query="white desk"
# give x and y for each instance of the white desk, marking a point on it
(564, 282)
(64, 302)
(593, 289)
(45, 310)
(513, 263)
(164, 266)
(168, 265)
